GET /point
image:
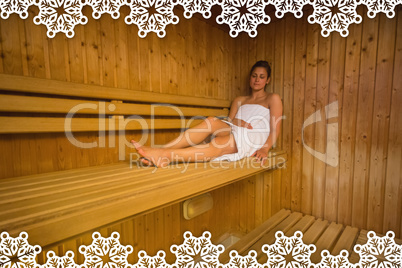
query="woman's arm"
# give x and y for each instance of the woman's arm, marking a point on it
(276, 110)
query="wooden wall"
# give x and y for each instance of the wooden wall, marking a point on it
(193, 59)
(362, 73)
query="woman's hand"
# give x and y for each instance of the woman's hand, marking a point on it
(242, 123)
(261, 155)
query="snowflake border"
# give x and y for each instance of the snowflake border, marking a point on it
(199, 252)
(155, 15)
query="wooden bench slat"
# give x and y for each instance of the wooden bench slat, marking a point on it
(50, 124)
(28, 104)
(346, 241)
(87, 197)
(269, 238)
(47, 86)
(105, 190)
(149, 192)
(314, 232)
(326, 241)
(302, 225)
(57, 176)
(249, 239)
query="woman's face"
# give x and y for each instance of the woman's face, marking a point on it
(259, 78)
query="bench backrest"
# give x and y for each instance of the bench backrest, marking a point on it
(32, 105)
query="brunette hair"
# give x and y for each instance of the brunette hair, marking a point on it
(264, 64)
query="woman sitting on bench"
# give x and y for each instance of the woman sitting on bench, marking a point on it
(251, 129)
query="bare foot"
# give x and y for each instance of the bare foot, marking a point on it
(153, 156)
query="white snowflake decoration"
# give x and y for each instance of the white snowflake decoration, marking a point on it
(293, 6)
(66, 261)
(380, 252)
(248, 261)
(106, 252)
(60, 16)
(289, 251)
(197, 6)
(146, 261)
(17, 252)
(197, 252)
(335, 15)
(339, 261)
(377, 6)
(111, 7)
(243, 15)
(20, 7)
(152, 15)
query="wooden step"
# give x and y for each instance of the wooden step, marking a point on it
(324, 235)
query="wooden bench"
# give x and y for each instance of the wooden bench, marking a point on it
(323, 234)
(58, 205)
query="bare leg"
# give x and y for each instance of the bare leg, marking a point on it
(199, 133)
(161, 157)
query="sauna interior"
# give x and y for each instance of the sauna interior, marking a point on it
(199, 67)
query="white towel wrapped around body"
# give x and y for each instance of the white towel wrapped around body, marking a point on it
(248, 141)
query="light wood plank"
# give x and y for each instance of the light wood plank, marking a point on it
(252, 237)
(326, 241)
(315, 231)
(363, 126)
(50, 124)
(12, 103)
(346, 241)
(303, 225)
(323, 69)
(44, 86)
(288, 85)
(380, 127)
(393, 198)
(269, 238)
(298, 114)
(309, 109)
(348, 126)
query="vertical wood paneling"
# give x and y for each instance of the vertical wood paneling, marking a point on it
(77, 58)
(363, 126)
(348, 125)
(393, 187)
(356, 72)
(122, 73)
(336, 88)
(133, 59)
(288, 85)
(309, 109)
(155, 63)
(320, 135)
(34, 49)
(108, 45)
(298, 112)
(23, 45)
(57, 58)
(11, 43)
(380, 127)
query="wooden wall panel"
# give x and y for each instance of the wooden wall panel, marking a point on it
(108, 52)
(359, 73)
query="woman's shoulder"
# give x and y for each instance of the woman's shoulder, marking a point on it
(274, 97)
(240, 99)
